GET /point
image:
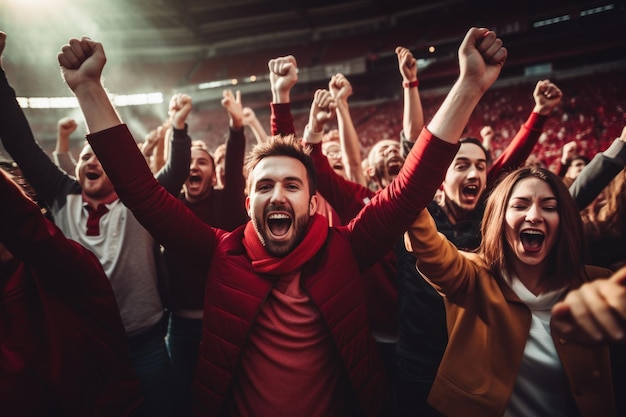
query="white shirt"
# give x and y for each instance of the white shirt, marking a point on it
(541, 388)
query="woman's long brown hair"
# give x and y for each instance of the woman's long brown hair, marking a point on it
(566, 259)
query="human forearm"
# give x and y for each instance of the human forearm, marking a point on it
(436, 257)
(393, 209)
(350, 149)
(176, 169)
(234, 159)
(18, 140)
(519, 149)
(460, 102)
(65, 161)
(258, 131)
(96, 106)
(413, 115)
(63, 143)
(598, 174)
(159, 158)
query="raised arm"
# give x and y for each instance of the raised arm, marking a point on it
(345, 196)
(547, 96)
(413, 115)
(232, 103)
(598, 173)
(322, 110)
(162, 214)
(252, 121)
(160, 157)
(82, 61)
(62, 155)
(44, 176)
(283, 76)
(234, 194)
(568, 152)
(150, 147)
(177, 155)
(487, 134)
(481, 57)
(341, 89)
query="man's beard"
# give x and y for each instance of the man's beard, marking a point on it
(283, 248)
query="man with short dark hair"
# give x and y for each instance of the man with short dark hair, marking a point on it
(285, 328)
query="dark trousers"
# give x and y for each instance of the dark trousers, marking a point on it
(151, 363)
(183, 342)
(410, 398)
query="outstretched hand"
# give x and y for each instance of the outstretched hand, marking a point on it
(481, 57)
(82, 61)
(593, 313)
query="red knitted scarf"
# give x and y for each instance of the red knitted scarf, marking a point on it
(265, 263)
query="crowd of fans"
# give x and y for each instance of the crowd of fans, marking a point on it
(244, 289)
(592, 114)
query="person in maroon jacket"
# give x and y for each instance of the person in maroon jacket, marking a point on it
(285, 329)
(63, 349)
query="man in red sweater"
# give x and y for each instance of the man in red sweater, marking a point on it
(285, 329)
(63, 349)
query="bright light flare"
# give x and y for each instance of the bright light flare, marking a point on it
(121, 100)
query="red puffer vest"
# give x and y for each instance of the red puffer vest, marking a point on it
(235, 293)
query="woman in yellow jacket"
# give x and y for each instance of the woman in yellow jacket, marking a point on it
(502, 357)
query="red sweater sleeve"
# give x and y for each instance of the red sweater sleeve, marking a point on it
(170, 222)
(380, 224)
(519, 149)
(345, 196)
(281, 119)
